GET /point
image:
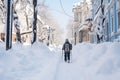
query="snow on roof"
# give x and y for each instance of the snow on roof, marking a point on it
(76, 4)
(89, 16)
(45, 26)
(88, 1)
(79, 3)
(39, 18)
(84, 26)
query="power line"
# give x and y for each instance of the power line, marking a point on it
(64, 9)
(59, 12)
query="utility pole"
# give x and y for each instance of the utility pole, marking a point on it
(34, 21)
(9, 24)
(48, 36)
(75, 35)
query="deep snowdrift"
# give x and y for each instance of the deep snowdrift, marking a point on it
(98, 61)
(38, 62)
(26, 62)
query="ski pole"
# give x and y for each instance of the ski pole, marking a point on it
(62, 55)
(71, 56)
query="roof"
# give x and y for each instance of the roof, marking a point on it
(83, 27)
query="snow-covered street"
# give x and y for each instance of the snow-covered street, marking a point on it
(92, 62)
(34, 34)
(38, 62)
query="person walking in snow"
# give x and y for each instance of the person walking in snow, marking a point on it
(67, 47)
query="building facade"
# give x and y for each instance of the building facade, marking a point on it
(105, 19)
(112, 25)
(82, 22)
(107, 14)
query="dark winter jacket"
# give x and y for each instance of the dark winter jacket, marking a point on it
(64, 46)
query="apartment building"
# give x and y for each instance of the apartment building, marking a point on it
(82, 21)
(107, 13)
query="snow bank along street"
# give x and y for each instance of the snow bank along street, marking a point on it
(38, 62)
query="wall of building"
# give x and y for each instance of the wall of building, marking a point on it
(82, 11)
(112, 18)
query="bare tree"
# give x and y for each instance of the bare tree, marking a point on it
(23, 6)
(2, 11)
(16, 23)
(49, 19)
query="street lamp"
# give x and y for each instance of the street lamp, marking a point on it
(50, 37)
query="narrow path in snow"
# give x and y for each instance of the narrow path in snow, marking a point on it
(67, 71)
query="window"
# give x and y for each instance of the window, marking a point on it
(117, 6)
(106, 27)
(112, 19)
(112, 28)
(105, 2)
(80, 36)
(119, 3)
(118, 20)
(107, 32)
(80, 17)
(76, 17)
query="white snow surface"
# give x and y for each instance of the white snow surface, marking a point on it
(38, 62)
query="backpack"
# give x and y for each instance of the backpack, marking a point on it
(67, 47)
(70, 46)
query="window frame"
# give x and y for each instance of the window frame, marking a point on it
(118, 19)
